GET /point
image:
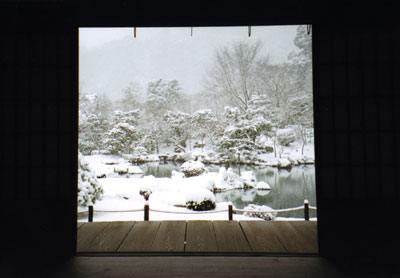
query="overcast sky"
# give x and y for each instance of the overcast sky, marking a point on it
(110, 58)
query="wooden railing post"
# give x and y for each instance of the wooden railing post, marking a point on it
(306, 210)
(230, 212)
(146, 211)
(90, 215)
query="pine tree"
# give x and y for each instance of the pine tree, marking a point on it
(89, 189)
(124, 136)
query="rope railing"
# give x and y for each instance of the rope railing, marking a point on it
(270, 211)
(189, 212)
(132, 210)
(230, 211)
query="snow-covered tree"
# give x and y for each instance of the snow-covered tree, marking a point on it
(178, 128)
(94, 121)
(89, 189)
(163, 95)
(303, 58)
(132, 97)
(124, 136)
(239, 137)
(234, 72)
(286, 136)
(204, 122)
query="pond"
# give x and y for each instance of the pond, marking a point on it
(289, 188)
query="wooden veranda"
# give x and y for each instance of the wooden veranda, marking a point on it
(198, 237)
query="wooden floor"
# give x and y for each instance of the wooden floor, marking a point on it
(244, 237)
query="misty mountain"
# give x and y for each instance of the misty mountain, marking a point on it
(169, 53)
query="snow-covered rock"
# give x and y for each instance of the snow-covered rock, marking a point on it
(227, 179)
(249, 179)
(193, 168)
(176, 174)
(284, 163)
(134, 170)
(263, 192)
(121, 169)
(263, 186)
(257, 211)
(233, 179)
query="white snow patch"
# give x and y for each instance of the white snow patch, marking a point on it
(263, 186)
(249, 178)
(134, 170)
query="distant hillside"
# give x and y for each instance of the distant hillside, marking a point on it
(169, 54)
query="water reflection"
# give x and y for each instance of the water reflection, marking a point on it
(289, 188)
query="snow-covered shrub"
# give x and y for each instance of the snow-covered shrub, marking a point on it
(89, 189)
(286, 136)
(192, 168)
(258, 212)
(200, 200)
(249, 179)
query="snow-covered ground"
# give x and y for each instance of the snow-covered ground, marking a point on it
(123, 182)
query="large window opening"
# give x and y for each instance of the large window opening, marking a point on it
(204, 123)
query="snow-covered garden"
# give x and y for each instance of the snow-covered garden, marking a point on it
(117, 185)
(251, 111)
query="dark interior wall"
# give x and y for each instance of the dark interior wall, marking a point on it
(356, 97)
(357, 120)
(39, 99)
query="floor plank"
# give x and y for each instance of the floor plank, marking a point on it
(200, 237)
(141, 237)
(111, 237)
(80, 224)
(87, 233)
(170, 237)
(261, 237)
(307, 229)
(230, 237)
(293, 241)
